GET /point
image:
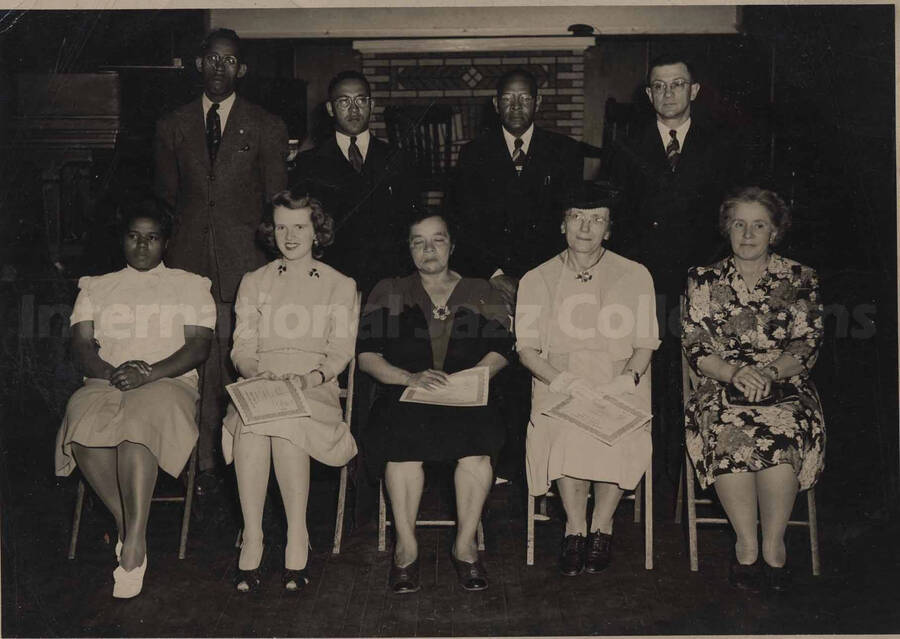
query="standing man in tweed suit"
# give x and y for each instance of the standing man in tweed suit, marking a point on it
(217, 161)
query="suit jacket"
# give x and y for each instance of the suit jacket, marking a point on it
(669, 220)
(219, 206)
(512, 221)
(368, 208)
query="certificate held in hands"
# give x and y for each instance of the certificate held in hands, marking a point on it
(606, 418)
(465, 388)
(265, 400)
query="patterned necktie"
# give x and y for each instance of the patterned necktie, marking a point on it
(213, 131)
(356, 158)
(519, 156)
(673, 149)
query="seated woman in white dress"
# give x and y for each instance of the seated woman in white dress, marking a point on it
(586, 326)
(138, 335)
(296, 318)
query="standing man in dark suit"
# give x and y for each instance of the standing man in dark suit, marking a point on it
(511, 186)
(674, 174)
(366, 185)
(217, 161)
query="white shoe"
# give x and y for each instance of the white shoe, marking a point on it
(129, 582)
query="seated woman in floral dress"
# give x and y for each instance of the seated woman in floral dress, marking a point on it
(752, 325)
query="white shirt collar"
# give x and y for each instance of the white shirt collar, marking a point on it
(680, 132)
(362, 141)
(159, 269)
(511, 139)
(224, 108)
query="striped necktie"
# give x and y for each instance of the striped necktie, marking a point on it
(673, 149)
(519, 156)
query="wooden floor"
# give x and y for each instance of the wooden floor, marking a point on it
(44, 594)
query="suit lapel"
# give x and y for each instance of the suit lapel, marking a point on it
(501, 156)
(376, 157)
(193, 125)
(235, 136)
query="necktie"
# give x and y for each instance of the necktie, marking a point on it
(213, 131)
(673, 149)
(519, 156)
(356, 158)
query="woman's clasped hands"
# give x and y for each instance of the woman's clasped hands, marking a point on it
(309, 380)
(130, 375)
(753, 383)
(581, 388)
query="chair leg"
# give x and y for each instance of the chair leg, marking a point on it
(648, 518)
(529, 533)
(382, 519)
(76, 519)
(339, 518)
(239, 540)
(692, 512)
(679, 499)
(813, 530)
(637, 502)
(188, 503)
(479, 536)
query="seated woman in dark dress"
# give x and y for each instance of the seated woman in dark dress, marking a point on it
(416, 331)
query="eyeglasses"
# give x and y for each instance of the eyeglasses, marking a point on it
(359, 101)
(592, 218)
(213, 59)
(510, 99)
(659, 87)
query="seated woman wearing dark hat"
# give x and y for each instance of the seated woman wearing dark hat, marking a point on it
(586, 326)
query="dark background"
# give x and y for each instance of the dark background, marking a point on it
(810, 88)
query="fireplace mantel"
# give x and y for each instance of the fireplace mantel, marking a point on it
(474, 45)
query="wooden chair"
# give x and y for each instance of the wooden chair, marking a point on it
(645, 488)
(687, 479)
(347, 395)
(187, 499)
(425, 132)
(383, 523)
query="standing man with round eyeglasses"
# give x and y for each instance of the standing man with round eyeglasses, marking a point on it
(674, 173)
(365, 184)
(217, 161)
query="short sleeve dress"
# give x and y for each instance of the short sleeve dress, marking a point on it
(398, 323)
(588, 324)
(782, 314)
(293, 321)
(138, 315)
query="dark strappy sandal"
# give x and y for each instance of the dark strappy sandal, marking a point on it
(247, 580)
(294, 580)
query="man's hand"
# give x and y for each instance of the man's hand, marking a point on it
(507, 286)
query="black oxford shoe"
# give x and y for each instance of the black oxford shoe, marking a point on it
(571, 555)
(597, 556)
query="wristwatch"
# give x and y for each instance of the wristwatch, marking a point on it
(635, 376)
(774, 370)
